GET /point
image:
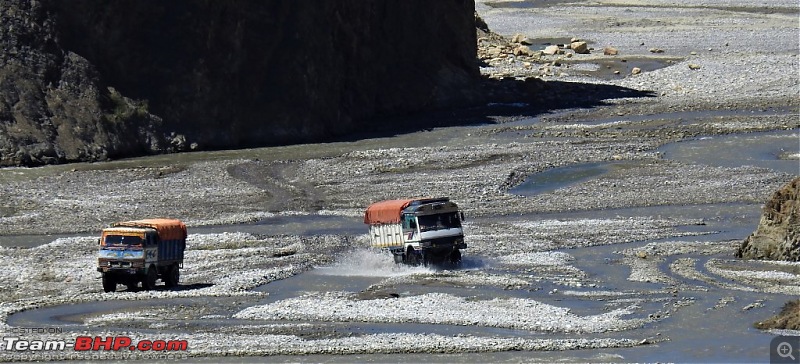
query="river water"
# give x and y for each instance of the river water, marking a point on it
(700, 332)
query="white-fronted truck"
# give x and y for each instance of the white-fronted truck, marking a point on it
(417, 231)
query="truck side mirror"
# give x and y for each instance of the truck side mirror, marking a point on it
(99, 241)
(463, 218)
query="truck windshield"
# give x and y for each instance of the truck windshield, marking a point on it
(438, 222)
(121, 240)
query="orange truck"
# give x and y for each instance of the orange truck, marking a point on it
(141, 251)
(417, 231)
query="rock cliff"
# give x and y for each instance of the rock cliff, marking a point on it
(89, 80)
(778, 234)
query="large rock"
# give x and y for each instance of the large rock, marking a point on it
(89, 80)
(580, 47)
(778, 234)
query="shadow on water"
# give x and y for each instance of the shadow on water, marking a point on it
(503, 99)
(180, 287)
(526, 4)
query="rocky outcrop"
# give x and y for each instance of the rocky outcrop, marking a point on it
(88, 80)
(54, 106)
(787, 319)
(778, 234)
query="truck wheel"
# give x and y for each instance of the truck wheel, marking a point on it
(411, 257)
(109, 284)
(149, 281)
(455, 257)
(173, 276)
(425, 259)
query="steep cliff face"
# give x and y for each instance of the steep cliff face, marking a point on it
(778, 234)
(54, 106)
(115, 78)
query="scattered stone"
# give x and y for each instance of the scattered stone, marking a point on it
(524, 51)
(636, 71)
(610, 51)
(753, 305)
(579, 47)
(694, 66)
(520, 39)
(656, 50)
(551, 50)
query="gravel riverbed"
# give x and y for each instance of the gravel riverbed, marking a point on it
(626, 258)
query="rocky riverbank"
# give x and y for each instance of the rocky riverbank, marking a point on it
(778, 234)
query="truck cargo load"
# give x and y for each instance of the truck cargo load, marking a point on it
(385, 212)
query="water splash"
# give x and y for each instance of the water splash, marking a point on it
(369, 263)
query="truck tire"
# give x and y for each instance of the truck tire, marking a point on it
(426, 259)
(455, 257)
(149, 281)
(173, 276)
(411, 257)
(109, 283)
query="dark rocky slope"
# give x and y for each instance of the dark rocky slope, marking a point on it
(89, 80)
(788, 318)
(54, 106)
(778, 234)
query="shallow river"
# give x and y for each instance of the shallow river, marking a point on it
(702, 331)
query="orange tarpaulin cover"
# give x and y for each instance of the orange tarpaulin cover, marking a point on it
(168, 229)
(385, 212)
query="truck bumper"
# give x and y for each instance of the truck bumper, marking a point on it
(120, 271)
